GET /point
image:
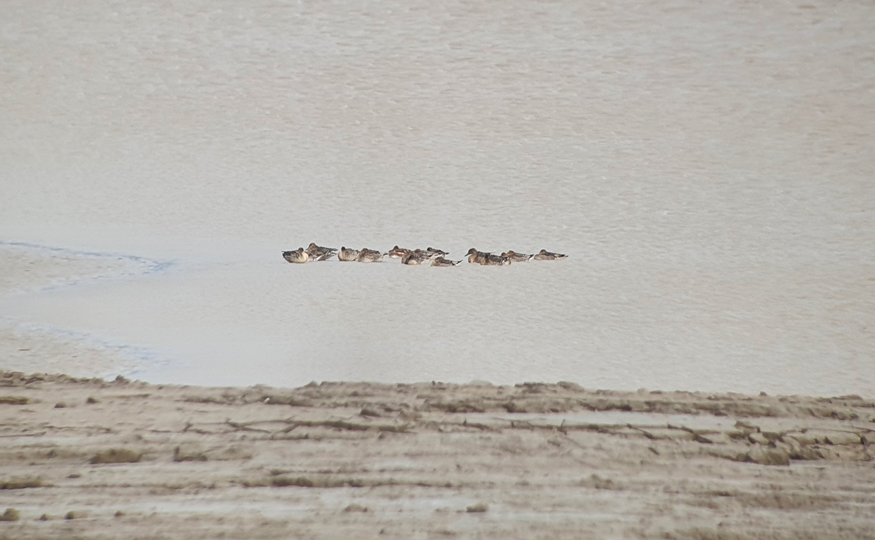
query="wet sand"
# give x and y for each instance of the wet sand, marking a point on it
(123, 459)
(30, 345)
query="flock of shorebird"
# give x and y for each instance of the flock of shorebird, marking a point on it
(315, 253)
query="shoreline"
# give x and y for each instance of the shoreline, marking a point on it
(39, 281)
(32, 270)
(429, 460)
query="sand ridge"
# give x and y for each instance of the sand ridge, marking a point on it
(429, 460)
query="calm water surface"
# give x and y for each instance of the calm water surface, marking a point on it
(708, 166)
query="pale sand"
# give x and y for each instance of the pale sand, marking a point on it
(26, 349)
(358, 460)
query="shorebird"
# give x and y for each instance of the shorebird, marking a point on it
(421, 255)
(475, 256)
(296, 256)
(397, 252)
(369, 255)
(440, 261)
(545, 255)
(517, 257)
(320, 253)
(347, 255)
(411, 258)
(495, 260)
(439, 252)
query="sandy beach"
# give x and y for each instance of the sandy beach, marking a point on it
(90, 458)
(124, 459)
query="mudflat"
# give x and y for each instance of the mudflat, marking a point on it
(124, 459)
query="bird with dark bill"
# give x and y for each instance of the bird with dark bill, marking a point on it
(545, 255)
(441, 262)
(397, 252)
(495, 260)
(439, 252)
(347, 255)
(369, 255)
(414, 257)
(517, 257)
(296, 256)
(320, 253)
(476, 257)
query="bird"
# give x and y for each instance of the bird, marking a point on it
(517, 257)
(411, 258)
(296, 256)
(545, 255)
(475, 256)
(320, 253)
(440, 261)
(439, 252)
(495, 260)
(423, 256)
(369, 255)
(347, 255)
(397, 252)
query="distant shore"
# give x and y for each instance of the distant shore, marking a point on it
(87, 457)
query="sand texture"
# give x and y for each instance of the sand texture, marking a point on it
(89, 458)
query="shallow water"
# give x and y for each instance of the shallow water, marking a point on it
(708, 168)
